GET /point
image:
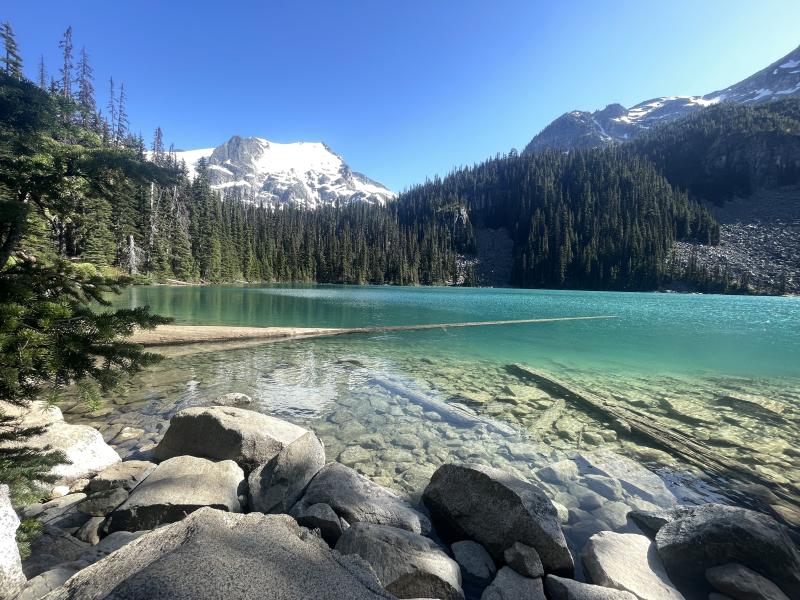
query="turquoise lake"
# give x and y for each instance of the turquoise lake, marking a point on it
(724, 370)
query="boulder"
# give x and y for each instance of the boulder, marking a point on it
(51, 548)
(11, 576)
(226, 433)
(477, 567)
(110, 543)
(356, 499)
(714, 534)
(524, 560)
(89, 532)
(628, 561)
(101, 504)
(650, 521)
(177, 487)
(560, 588)
(216, 554)
(126, 475)
(321, 516)
(742, 583)
(277, 485)
(46, 582)
(407, 564)
(83, 447)
(562, 472)
(510, 585)
(496, 509)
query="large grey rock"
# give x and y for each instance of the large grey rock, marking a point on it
(83, 447)
(89, 532)
(357, 499)
(321, 516)
(126, 475)
(214, 554)
(407, 564)
(561, 588)
(714, 534)
(101, 504)
(650, 521)
(524, 560)
(51, 548)
(110, 543)
(177, 487)
(61, 512)
(742, 583)
(477, 567)
(277, 485)
(510, 585)
(11, 576)
(496, 509)
(628, 561)
(46, 582)
(226, 433)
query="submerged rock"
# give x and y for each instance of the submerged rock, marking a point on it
(496, 509)
(216, 554)
(711, 535)
(247, 437)
(233, 399)
(629, 562)
(407, 564)
(177, 487)
(510, 585)
(633, 477)
(357, 499)
(11, 576)
(274, 487)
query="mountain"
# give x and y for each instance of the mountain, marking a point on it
(615, 123)
(301, 174)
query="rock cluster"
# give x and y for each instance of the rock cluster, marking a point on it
(197, 525)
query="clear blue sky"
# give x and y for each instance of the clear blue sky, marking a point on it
(403, 89)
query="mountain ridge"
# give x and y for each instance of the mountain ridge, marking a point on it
(299, 174)
(615, 124)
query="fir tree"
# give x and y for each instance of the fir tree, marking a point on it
(111, 122)
(66, 69)
(121, 130)
(86, 101)
(42, 74)
(11, 59)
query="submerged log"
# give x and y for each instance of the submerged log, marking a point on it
(452, 414)
(642, 424)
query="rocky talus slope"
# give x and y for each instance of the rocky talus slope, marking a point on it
(210, 520)
(759, 242)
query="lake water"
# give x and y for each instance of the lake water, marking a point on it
(679, 358)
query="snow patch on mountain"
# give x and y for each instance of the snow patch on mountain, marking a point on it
(303, 174)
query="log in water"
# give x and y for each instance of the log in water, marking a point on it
(676, 442)
(173, 335)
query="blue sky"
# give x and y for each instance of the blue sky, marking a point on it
(405, 89)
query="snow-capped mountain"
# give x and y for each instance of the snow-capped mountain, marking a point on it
(615, 123)
(305, 174)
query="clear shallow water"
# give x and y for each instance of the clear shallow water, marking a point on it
(677, 357)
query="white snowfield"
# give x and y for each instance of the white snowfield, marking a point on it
(302, 174)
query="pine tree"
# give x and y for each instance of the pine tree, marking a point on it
(121, 131)
(158, 147)
(42, 73)
(86, 101)
(66, 70)
(12, 60)
(112, 111)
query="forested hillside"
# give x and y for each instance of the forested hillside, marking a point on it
(145, 217)
(728, 150)
(598, 219)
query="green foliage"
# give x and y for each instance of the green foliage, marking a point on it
(599, 219)
(728, 150)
